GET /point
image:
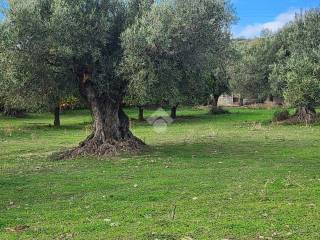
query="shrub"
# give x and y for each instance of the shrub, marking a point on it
(281, 115)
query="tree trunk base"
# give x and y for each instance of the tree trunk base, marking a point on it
(93, 147)
(306, 115)
(303, 115)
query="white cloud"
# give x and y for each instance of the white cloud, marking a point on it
(279, 22)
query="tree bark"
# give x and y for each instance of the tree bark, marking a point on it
(57, 116)
(110, 131)
(214, 103)
(305, 115)
(141, 113)
(173, 114)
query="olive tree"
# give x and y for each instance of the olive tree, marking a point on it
(33, 78)
(296, 73)
(168, 48)
(218, 76)
(78, 43)
(251, 67)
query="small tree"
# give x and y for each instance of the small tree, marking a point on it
(217, 78)
(136, 96)
(303, 84)
(252, 67)
(218, 84)
(140, 94)
(33, 79)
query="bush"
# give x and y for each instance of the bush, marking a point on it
(281, 115)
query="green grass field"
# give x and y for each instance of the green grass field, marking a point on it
(231, 176)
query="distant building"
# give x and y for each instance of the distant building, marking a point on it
(229, 100)
(235, 100)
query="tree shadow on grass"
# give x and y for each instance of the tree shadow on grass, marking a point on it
(179, 119)
(189, 118)
(38, 130)
(241, 148)
(50, 127)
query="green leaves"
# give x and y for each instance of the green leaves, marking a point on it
(296, 72)
(159, 50)
(251, 68)
(303, 81)
(167, 49)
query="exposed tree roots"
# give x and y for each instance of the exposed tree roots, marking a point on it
(111, 133)
(303, 115)
(110, 148)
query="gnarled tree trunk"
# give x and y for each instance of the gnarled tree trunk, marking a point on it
(110, 132)
(305, 115)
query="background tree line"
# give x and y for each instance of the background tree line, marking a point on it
(283, 64)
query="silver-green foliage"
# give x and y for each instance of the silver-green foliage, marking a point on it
(165, 45)
(47, 40)
(167, 50)
(251, 69)
(297, 71)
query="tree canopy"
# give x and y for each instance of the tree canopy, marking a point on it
(168, 50)
(102, 48)
(252, 67)
(296, 72)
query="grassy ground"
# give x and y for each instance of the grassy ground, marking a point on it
(208, 177)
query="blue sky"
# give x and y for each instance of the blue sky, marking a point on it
(256, 15)
(2, 4)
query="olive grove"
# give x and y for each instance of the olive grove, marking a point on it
(105, 49)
